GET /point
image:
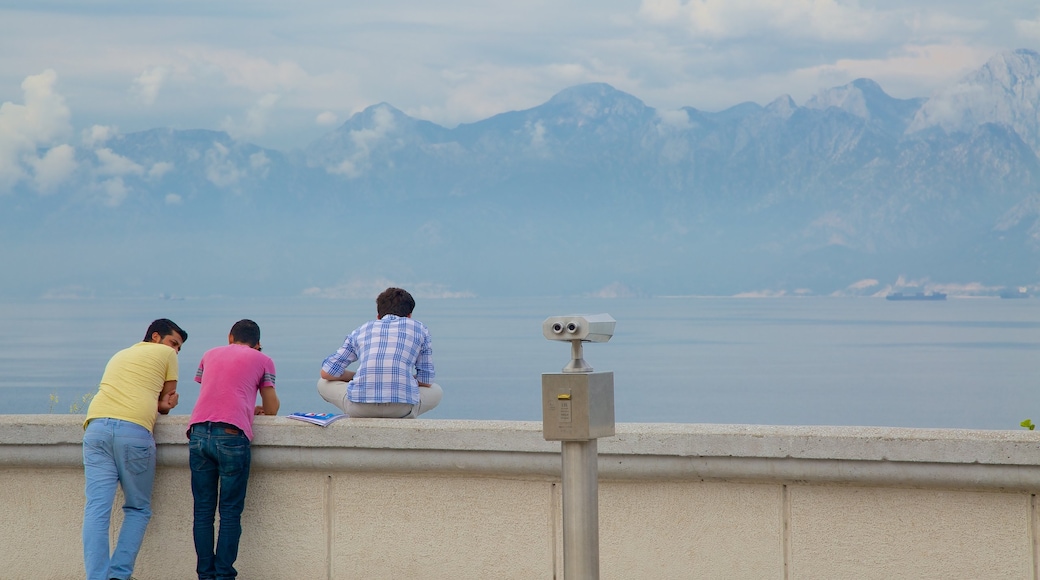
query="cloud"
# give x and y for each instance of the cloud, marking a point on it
(115, 191)
(370, 288)
(719, 20)
(364, 140)
(260, 163)
(615, 290)
(256, 120)
(452, 64)
(902, 72)
(965, 289)
(537, 131)
(159, 169)
(677, 120)
(146, 86)
(1028, 28)
(326, 119)
(54, 168)
(73, 292)
(256, 74)
(762, 294)
(98, 135)
(115, 164)
(221, 170)
(42, 120)
(173, 199)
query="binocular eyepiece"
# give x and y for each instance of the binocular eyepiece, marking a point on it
(586, 328)
(557, 327)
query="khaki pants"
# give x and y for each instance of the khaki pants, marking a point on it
(335, 392)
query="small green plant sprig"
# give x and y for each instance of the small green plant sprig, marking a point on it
(1028, 424)
(76, 407)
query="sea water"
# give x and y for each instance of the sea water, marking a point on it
(962, 363)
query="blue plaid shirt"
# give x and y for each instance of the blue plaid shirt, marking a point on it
(394, 356)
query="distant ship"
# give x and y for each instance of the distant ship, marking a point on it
(917, 296)
(1020, 293)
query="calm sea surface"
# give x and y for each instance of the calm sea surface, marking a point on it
(971, 363)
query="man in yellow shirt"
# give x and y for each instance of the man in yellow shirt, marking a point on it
(118, 447)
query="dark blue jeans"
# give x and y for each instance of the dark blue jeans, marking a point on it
(219, 457)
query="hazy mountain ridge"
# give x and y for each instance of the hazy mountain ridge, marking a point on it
(599, 188)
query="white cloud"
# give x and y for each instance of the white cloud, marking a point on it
(537, 131)
(115, 191)
(1029, 28)
(716, 20)
(98, 135)
(221, 170)
(173, 199)
(370, 288)
(364, 140)
(260, 163)
(42, 120)
(115, 164)
(965, 289)
(761, 294)
(73, 292)
(326, 119)
(256, 120)
(147, 85)
(863, 284)
(259, 160)
(673, 120)
(900, 73)
(452, 64)
(159, 169)
(615, 290)
(257, 74)
(54, 168)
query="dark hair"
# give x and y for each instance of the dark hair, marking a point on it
(394, 301)
(246, 331)
(165, 327)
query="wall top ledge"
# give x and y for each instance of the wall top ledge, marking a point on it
(1018, 447)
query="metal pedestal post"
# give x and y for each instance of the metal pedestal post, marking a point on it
(578, 408)
(580, 511)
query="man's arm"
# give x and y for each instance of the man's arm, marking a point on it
(270, 405)
(168, 397)
(424, 371)
(346, 376)
(334, 367)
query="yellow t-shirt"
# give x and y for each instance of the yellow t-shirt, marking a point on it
(133, 379)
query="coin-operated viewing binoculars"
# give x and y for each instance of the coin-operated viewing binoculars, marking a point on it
(578, 404)
(578, 408)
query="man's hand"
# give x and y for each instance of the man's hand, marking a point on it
(168, 401)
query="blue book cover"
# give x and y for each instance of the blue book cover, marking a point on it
(322, 419)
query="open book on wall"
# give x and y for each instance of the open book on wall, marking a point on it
(322, 419)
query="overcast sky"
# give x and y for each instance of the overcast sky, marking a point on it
(282, 73)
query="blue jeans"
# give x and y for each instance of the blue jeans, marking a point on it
(123, 453)
(219, 456)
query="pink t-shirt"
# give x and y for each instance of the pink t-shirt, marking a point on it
(231, 377)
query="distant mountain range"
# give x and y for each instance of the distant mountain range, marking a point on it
(592, 192)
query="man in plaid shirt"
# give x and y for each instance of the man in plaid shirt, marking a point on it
(394, 376)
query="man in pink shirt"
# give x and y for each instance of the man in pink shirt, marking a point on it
(221, 427)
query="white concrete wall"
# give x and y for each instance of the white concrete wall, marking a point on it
(473, 499)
